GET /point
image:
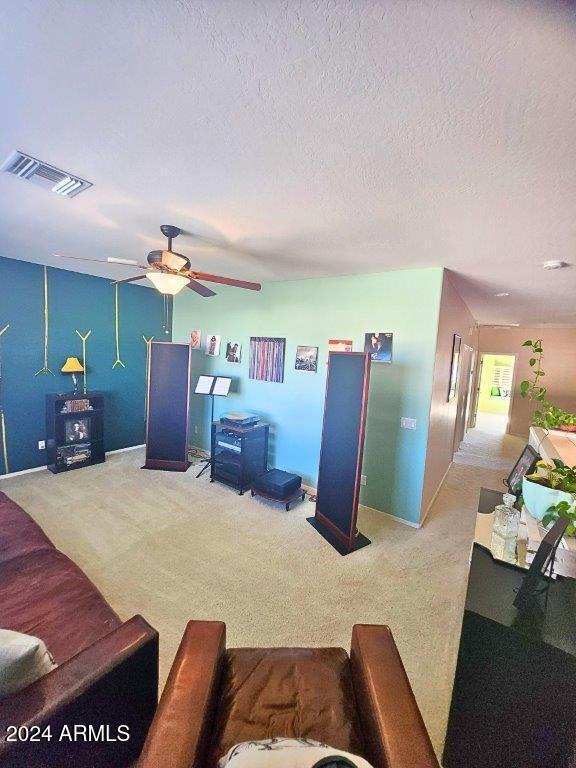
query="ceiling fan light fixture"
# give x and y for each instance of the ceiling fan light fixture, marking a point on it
(167, 284)
(174, 260)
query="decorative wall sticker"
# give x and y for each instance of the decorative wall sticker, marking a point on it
(2, 416)
(148, 342)
(118, 361)
(85, 383)
(45, 368)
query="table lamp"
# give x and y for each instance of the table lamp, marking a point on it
(73, 366)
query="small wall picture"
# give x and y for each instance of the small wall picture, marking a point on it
(379, 345)
(233, 352)
(212, 345)
(340, 345)
(455, 366)
(307, 359)
(196, 339)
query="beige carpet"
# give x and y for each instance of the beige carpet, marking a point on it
(171, 547)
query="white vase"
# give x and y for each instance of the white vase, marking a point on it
(538, 498)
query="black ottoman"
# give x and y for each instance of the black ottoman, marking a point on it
(277, 485)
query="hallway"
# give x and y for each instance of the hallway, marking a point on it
(487, 445)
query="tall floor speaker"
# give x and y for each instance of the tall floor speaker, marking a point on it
(168, 406)
(341, 451)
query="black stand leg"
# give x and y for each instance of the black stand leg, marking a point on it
(208, 462)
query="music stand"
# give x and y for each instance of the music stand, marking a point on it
(212, 386)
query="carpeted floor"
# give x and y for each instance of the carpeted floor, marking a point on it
(171, 547)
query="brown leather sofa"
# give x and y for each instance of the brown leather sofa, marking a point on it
(108, 669)
(217, 697)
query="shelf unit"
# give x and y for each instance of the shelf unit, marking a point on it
(238, 454)
(74, 439)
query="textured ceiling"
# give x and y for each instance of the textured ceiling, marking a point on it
(314, 137)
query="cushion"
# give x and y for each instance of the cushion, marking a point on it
(45, 594)
(19, 534)
(289, 753)
(286, 692)
(23, 659)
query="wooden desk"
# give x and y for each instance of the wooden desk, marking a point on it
(514, 701)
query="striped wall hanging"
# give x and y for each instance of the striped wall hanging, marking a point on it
(266, 361)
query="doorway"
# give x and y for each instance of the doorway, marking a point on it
(494, 393)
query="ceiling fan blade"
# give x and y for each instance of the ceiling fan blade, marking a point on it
(109, 260)
(225, 281)
(79, 258)
(199, 288)
(128, 262)
(129, 279)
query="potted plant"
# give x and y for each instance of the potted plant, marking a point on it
(562, 509)
(548, 487)
(549, 416)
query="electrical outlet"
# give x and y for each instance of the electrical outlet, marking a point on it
(406, 423)
(41, 445)
(363, 479)
(195, 429)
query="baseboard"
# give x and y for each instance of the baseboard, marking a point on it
(22, 472)
(392, 517)
(123, 450)
(312, 492)
(433, 499)
(40, 469)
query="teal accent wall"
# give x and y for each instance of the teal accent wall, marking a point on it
(309, 312)
(75, 301)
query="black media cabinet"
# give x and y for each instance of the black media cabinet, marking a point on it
(239, 454)
(74, 431)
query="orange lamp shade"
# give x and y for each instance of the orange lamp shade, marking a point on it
(72, 365)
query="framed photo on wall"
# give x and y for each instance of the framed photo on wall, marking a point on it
(379, 345)
(306, 359)
(339, 345)
(454, 367)
(233, 352)
(196, 339)
(212, 345)
(266, 358)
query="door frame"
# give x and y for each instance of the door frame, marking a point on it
(460, 425)
(478, 378)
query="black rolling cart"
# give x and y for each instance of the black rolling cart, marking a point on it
(74, 431)
(238, 453)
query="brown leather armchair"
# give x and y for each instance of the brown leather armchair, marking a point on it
(217, 697)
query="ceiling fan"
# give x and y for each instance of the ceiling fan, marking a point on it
(170, 272)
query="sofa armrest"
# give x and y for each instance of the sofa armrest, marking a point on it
(394, 732)
(113, 682)
(179, 734)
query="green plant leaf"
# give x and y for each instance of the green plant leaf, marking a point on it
(532, 362)
(527, 343)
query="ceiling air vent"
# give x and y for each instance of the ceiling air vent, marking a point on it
(44, 175)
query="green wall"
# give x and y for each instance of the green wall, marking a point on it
(309, 312)
(486, 403)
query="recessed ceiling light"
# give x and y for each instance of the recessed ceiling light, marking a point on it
(501, 294)
(554, 264)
